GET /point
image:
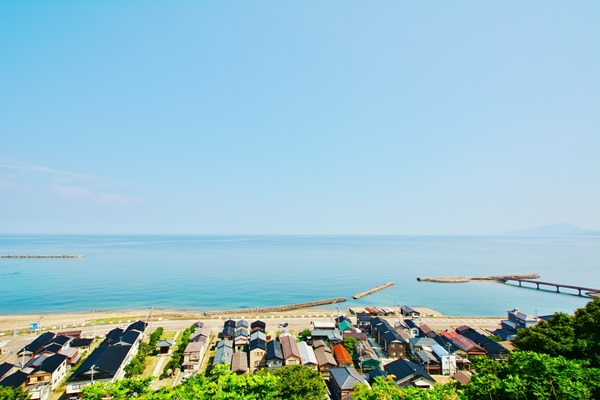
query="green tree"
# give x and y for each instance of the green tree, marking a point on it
(10, 393)
(349, 343)
(386, 389)
(527, 375)
(298, 382)
(587, 332)
(555, 337)
(302, 336)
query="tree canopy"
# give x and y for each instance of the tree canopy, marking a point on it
(573, 337)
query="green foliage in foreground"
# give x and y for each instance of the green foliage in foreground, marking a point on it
(9, 393)
(293, 382)
(573, 337)
(527, 375)
(386, 389)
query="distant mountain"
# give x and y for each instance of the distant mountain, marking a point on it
(553, 230)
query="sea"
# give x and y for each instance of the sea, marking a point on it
(207, 272)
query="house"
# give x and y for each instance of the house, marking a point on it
(239, 362)
(343, 380)
(258, 334)
(82, 344)
(229, 324)
(107, 362)
(420, 343)
(493, 349)
(308, 356)
(200, 333)
(365, 357)
(75, 334)
(325, 359)
(17, 379)
(242, 324)
(51, 371)
(363, 319)
(291, 354)
(447, 360)
(258, 325)
(394, 344)
(72, 354)
(334, 336)
(429, 361)
(193, 353)
(427, 331)
(36, 346)
(241, 341)
(413, 327)
(257, 352)
(274, 355)
(323, 325)
(461, 378)
(342, 356)
(465, 344)
(346, 326)
(228, 333)
(407, 373)
(518, 320)
(224, 352)
(6, 369)
(164, 346)
(409, 312)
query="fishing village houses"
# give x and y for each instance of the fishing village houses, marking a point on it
(347, 350)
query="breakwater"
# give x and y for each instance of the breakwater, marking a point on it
(277, 308)
(462, 279)
(41, 255)
(375, 289)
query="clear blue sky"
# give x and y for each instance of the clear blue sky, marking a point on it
(408, 117)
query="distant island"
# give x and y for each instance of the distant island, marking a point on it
(553, 230)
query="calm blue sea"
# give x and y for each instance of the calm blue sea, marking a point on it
(213, 272)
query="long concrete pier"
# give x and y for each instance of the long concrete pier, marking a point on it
(41, 255)
(461, 279)
(375, 289)
(277, 308)
(580, 289)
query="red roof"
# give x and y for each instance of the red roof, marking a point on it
(341, 354)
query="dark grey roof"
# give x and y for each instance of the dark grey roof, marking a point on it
(15, 379)
(51, 363)
(492, 347)
(392, 336)
(53, 347)
(410, 323)
(139, 326)
(346, 377)
(4, 368)
(106, 360)
(62, 340)
(446, 343)
(229, 323)
(81, 342)
(38, 344)
(274, 350)
(404, 369)
(371, 375)
(257, 344)
(258, 324)
(130, 337)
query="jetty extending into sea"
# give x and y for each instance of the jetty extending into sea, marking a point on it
(461, 279)
(277, 308)
(520, 279)
(41, 255)
(375, 289)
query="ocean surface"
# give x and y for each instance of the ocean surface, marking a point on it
(222, 272)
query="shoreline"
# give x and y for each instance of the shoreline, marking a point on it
(71, 320)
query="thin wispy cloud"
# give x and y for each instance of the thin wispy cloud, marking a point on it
(73, 186)
(45, 170)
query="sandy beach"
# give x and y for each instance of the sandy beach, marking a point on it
(297, 319)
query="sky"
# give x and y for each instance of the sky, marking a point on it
(298, 117)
